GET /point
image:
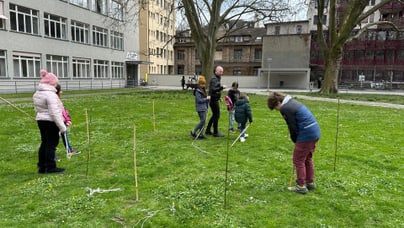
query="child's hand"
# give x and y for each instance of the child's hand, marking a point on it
(208, 97)
(68, 123)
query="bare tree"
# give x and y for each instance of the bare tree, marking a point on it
(339, 32)
(211, 21)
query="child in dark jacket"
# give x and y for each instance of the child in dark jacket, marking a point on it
(304, 133)
(68, 122)
(242, 114)
(201, 105)
(234, 94)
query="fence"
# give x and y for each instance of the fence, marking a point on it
(27, 86)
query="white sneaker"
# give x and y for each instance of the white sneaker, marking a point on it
(242, 139)
(245, 135)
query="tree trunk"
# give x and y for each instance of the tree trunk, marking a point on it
(331, 67)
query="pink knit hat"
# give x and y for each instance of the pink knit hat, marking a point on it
(48, 78)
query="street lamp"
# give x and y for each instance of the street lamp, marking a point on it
(269, 71)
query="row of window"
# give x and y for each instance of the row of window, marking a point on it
(28, 65)
(237, 54)
(111, 8)
(26, 20)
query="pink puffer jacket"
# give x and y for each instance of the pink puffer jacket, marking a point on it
(47, 107)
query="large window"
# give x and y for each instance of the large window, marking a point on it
(80, 32)
(116, 10)
(26, 65)
(117, 69)
(238, 54)
(58, 65)
(2, 17)
(100, 36)
(55, 26)
(82, 3)
(180, 55)
(81, 68)
(99, 6)
(100, 68)
(116, 40)
(3, 58)
(258, 53)
(23, 19)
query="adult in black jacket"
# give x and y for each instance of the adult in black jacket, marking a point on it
(215, 90)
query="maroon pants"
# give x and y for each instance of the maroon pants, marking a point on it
(302, 159)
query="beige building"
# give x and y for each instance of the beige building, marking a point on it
(156, 36)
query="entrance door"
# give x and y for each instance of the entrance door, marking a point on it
(132, 75)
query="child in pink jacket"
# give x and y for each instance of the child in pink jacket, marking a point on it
(68, 122)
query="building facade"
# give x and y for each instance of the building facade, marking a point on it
(376, 58)
(157, 32)
(240, 52)
(83, 42)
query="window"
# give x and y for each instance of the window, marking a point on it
(82, 3)
(180, 55)
(23, 19)
(298, 29)
(238, 39)
(180, 69)
(2, 17)
(238, 54)
(100, 36)
(369, 55)
(81, 68)
(100, 68)
(58, 65)
(99, 6)
(117, 69)
(55, 26)
(116, 40)
(237, 71)
(80, 32)
(26, 65)
(3, 58)
(258, 53)
(277, 30)
(116, 10)
(380, 55)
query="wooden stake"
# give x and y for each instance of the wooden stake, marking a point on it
(134, 161)
(88, 142)
(154, 119)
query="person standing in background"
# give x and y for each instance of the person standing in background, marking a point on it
(50, 122)
(234, 94)
(215, 91)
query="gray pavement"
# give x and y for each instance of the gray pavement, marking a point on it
(365, 103)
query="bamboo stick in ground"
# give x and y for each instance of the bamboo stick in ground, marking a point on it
(134, 161)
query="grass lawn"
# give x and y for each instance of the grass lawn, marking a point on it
(181, 183)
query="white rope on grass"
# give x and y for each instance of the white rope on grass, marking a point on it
(98, 190)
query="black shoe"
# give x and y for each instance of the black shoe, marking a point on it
(208, 133)
(52, 170)
(218, 134)
(193, 134)
(201, 137)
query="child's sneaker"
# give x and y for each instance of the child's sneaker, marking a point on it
(242, 139)
(311, 186)
(74, 152)
(298, 189)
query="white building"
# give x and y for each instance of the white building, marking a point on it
(86, 43)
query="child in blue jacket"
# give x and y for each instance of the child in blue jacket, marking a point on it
(304, 133)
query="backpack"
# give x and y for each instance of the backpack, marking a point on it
(229, 103)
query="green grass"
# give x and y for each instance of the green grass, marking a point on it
(181, 186)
